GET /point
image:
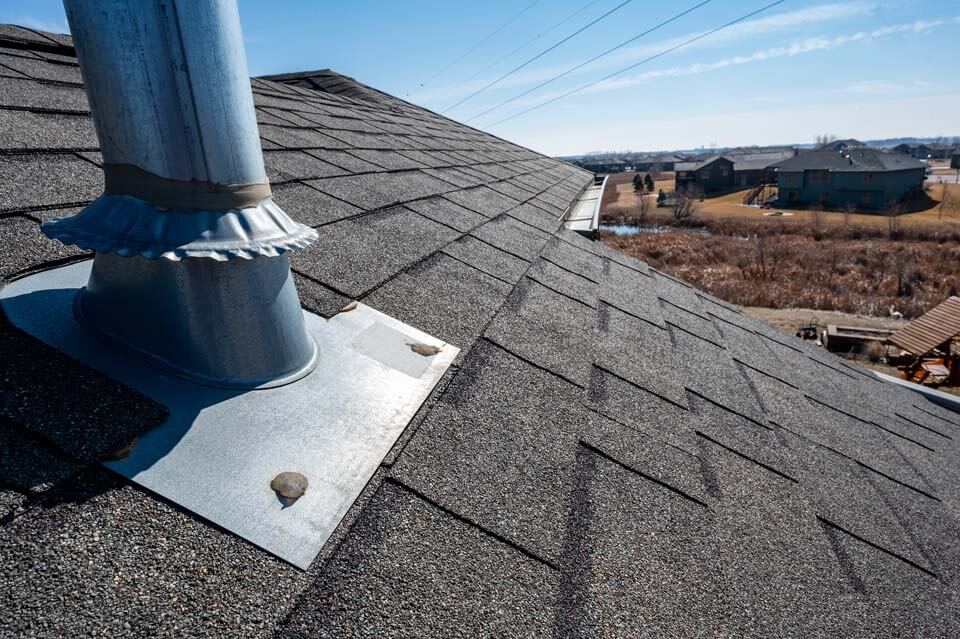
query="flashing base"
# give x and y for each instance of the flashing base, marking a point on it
(219, 450)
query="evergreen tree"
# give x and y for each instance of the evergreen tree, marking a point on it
(637, 183)
(648, 182)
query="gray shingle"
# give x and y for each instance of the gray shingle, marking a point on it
(390, 160)
(376, 190)
(638, 352)
(311, 207)
(82, 412)
(487, 258)
(641, 410)
(354, 256)
(641, 561)
(350, 163)
(408, 568)
(441, 210)
(484, 201)
(31, 181)
(501, 409)
(570, 284)
(548, 329)
(22, 130)
(516, 238)
(26, 247)
(42, 70)
(442, 297)
(710, 372)
(102, 555)
(29, 94)
(283, 166)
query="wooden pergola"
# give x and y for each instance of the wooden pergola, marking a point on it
(929, 339)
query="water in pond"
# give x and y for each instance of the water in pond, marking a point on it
(628, 229)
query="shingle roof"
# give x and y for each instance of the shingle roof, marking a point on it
(614, 452)
(696, 166)
(751, 161)
(850, 160)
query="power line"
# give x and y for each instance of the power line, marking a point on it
(532, 40)
(591, 60)
(636, 64)
(479, 44)
(540, 55)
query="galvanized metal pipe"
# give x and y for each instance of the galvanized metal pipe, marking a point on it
(169, 87)
(189, 269)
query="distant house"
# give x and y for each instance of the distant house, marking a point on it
(751, 167)
(868, 178)
(710, 175)
(955, 161)
(665, 162)
(840, 145)
(602, 165)
(926, 151)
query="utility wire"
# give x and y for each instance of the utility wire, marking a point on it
(532, 40)
(539, 55)
(479, 44)
(637, 64)
(590, 61)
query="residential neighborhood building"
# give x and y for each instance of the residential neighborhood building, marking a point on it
(602, 165)
(707, 176)
(840, 145)
(666, 162)
(955, 161)
(868, 178)
(751, 167)
(926, 151)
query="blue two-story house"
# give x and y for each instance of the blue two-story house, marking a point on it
(868, 178)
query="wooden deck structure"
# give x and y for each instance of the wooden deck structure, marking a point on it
(930, 340)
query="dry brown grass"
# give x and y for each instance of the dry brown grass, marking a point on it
(810, 263)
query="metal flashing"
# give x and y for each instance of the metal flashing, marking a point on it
(584, 216)
(219, 450)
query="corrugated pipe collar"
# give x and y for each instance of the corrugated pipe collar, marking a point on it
(130, 226)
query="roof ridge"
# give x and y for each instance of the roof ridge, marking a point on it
(41, 40)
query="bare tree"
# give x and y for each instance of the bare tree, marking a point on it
(684, 204)
(903, 262)
(644, 203)
(848, 210)
(945, 194)
(893, 221)
(824, 140)
(816, 221)
(762, 265)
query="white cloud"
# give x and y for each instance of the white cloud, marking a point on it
(798, 48)
(758, 26)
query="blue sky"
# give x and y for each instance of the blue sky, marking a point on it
(854, 68)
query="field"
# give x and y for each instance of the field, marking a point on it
(868, 265)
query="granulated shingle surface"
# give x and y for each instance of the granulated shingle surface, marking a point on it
(614, 453)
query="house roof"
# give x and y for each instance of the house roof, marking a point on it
(934, 328)
(696, 166)
(756, 160)
(855, 160)
(614, 452)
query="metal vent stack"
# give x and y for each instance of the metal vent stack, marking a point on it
(190, 270)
